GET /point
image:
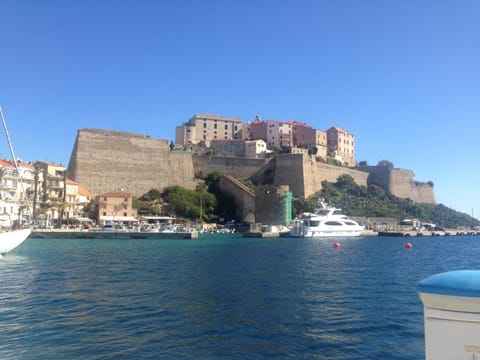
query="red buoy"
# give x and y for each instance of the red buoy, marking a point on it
(408, 245)
(336, 245)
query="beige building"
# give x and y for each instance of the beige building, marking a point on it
(279, 133)
(206, 127)
(57, 194)
(54, 176)
(341, 145)
(114, 207)
(76, 202)
(239, 148)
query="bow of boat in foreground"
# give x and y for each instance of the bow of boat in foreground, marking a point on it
(9, 240)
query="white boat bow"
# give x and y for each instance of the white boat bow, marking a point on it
(9, 240)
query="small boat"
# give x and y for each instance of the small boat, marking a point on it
(109, 228)
(9, 240)
(326, 221)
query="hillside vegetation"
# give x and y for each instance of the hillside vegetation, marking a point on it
(372, 201)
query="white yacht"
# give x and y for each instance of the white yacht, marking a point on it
(326, 221)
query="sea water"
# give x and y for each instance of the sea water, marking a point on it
(221, 297)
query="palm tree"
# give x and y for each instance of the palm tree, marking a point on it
(64, 199)
(201, 188)
(3, 172)
(37, 170)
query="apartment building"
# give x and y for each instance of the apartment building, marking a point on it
(273, 132)
(54, 176)
(307, 137)
(341, 145)
(203, 128)
(206, 129)
(60, 199)
(77, 202)
(15, 195)
(114, 207)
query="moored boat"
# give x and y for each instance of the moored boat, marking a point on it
(326, 221)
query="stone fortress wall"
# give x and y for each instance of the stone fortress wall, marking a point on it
(401, 183)
(105, 160)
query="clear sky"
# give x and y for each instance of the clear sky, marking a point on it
(403, 75)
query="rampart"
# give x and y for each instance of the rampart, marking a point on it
(105, 160)
(303, 174)
(401, 183)
(240, 168)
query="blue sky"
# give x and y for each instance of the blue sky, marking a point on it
(403, 76)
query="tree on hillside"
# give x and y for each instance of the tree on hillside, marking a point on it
(149, 203)
(373, 201)
(386, 163)
(37, 170)
(151, 195)
(201, 189)
(186, 203)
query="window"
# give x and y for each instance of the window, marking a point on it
(214, 126)
(104, 213)
(125, 214)
(333, 223)
(226, 127)
(204, 125)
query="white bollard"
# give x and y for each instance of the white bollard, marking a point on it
(451, 303)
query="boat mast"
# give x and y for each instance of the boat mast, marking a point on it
(14, 159)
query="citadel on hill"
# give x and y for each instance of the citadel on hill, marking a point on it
(287, 155)
(111, 167)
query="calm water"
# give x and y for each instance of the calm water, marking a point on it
(221, 297)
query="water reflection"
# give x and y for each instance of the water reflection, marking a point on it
(220, 297)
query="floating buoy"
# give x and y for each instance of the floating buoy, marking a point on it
(336, 245)
(408, 245)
